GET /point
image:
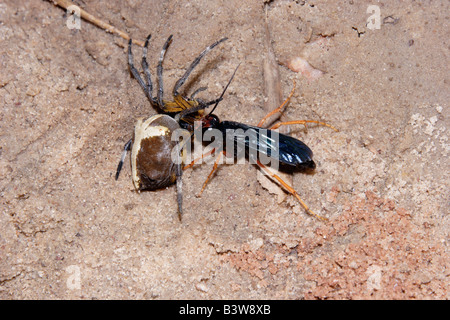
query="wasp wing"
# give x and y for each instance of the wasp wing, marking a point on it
(258, 142)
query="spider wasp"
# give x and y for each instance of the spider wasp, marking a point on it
(288, 153)
(151, 147)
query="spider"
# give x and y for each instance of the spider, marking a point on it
(152, 164)
(179, 102)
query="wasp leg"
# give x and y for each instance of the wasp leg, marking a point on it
(199, 158)
(216, 164)
(160, 71)
(289, 189)
(126, 148)
(212, 171)
(303, 122)
(183, 79)
(277, 109)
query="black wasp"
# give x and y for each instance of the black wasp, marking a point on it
(286, 152)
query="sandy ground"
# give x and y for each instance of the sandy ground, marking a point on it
(68, 230)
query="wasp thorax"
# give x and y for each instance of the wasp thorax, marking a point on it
(151, 163)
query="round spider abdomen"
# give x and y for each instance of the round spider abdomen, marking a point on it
(151, 162)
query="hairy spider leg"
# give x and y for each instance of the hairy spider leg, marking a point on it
(197, 91)
(136, 74)
(289, 189)
(146, 69)
(126, 148)
(160, 71)
(189, 70)
(179, 173)
(177, 97)
(148, 87)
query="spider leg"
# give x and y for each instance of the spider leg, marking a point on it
(136, 74)
(160, 71)
(197, 91)
(288, 188)
(201, 105)
(126, 148)
(146, 69)
(207, 104)
(183, 79)
(179, 173)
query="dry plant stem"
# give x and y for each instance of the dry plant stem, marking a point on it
(273, 99)
(97, 22)
(272, 82)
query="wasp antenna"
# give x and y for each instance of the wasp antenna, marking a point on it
(224, 90)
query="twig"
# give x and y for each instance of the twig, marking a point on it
(272, 82)
(273, 99)
(65, 4)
